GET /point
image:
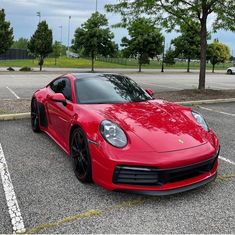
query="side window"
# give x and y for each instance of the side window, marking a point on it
(62, 85)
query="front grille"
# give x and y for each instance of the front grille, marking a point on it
(135, 175)
(155, 176)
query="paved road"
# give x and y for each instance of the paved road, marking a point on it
(22, 85)
(51, 200)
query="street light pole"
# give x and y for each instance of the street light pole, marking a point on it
(61, 28)
(39, 16)
(96, 5)
(163, 55)
(69, 33)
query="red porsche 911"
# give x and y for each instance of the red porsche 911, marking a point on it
(123, 139)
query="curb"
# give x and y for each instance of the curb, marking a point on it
(14, 116)
(18, 116)
(198, 102)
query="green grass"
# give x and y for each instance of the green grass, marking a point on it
(64, 62)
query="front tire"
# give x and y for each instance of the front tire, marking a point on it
(229, 71)
(35, 116)
(80, 156)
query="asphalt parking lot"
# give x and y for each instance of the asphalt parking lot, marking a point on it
(51, 200)
(22, 85)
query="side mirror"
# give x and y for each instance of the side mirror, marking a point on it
(149, 91)
(58, 97)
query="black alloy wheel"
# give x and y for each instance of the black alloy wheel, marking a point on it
(229, 71)
(35, 116)
(81, 157)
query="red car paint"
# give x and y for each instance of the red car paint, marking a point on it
(160, 134)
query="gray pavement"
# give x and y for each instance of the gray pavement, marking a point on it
(24, 84)
(51, 200)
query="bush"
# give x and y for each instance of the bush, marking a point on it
(10, 69)
(25, 69)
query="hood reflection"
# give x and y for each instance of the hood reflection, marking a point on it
(157, 123)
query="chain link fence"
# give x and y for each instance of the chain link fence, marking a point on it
(16, 54)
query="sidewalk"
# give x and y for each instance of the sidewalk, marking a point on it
(101, 70)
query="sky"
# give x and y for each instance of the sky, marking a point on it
(22, 15)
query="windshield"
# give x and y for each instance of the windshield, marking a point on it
(108, 88)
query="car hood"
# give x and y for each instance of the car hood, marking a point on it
(163, 126)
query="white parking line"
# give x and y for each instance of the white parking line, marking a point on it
(227, 160)
(13, 93)
(216, 111)
(12, 204)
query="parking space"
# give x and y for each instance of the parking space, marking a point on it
(22, 85)
(222, 118)
(52, 200)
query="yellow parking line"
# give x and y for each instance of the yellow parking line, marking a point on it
(69, 219)
(92, 213)
(226, 177)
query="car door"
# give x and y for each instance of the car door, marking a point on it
(59, 114)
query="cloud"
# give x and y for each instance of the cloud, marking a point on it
(22, 15)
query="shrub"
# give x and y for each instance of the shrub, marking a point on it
(10, 69)
(25, 69)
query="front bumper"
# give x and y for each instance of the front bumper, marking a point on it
(171, 191)
(103, 170)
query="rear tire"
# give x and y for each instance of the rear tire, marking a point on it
(229, 71)
(35, 116)
(80, 156)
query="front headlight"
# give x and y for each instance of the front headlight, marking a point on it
(113, 134)
(200, 120)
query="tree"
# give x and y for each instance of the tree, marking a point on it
(6, 33)
(217, 52)
(176, 12)
(145, 41)
(170, 57)
(21, 43)
(188, 43)
(56, 50)
(232, 58)
(40, 44)
(94, 38)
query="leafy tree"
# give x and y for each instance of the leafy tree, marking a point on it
(6, 33)
(187, 45)
(56, 47)
(217, 52)
(94, 38)
(63, 49)
(170, 57)
(176, 12)
(40, 44)
(21, 43)
(145, 41)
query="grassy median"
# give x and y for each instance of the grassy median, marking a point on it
(64, 62)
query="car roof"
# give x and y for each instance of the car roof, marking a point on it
(91, 75)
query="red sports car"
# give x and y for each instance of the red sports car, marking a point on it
(122, 138)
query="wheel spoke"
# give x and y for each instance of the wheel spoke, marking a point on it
(75, 149)
(84, 161)
(82, 167)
